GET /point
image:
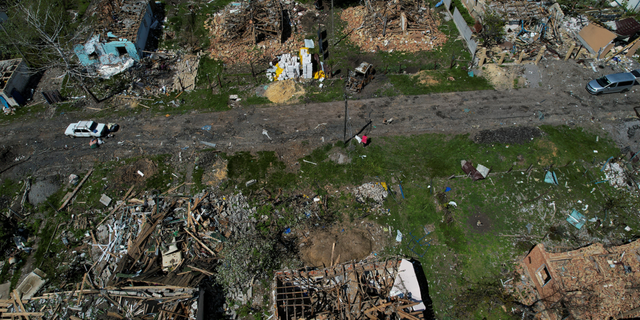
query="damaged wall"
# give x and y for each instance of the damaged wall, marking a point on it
(113, 45)
(14, 80)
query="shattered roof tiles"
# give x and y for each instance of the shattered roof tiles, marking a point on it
(627, 27)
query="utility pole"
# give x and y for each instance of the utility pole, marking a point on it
(346, 115)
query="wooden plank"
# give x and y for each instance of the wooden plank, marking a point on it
(114, 315)
(209, 273)
(76, 189)
(16, 297)
(200, 242)
(623, 49)
(569, 52)
(404, 315)
(633, 50)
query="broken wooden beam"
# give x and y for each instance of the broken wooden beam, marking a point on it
(76, 189)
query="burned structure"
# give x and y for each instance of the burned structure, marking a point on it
(119, 36)
(592, 282)
(369, 289)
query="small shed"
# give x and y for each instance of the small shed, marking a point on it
(14, 80)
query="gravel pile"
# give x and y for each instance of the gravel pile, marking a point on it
(515, 135)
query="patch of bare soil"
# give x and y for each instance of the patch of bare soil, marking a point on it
(544, 144)
(215, 173)
(351, 243)
(291, 152)
(479, 222)
(517, 135)
(284, 91)
(128, 175)
(426, 79)
(503, 78)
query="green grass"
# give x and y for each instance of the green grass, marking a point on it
(410, 85)
(332, 90)
(255, 100)
(208, 71)
(25, 113)
(463, 263)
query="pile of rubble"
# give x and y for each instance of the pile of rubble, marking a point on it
(148, 255)
(614, 173)
(536, 29)
(251, 32)
(369, 289)
(397, 25)
(375, 192)
(592, 282)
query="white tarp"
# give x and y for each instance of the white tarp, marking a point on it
(406, 285)
(107, 71)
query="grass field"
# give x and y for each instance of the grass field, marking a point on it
(464, 261)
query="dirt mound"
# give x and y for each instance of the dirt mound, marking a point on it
(351, 244)
(504, 78)
(128, 175)
(517, 135)
(283, 91)
(426, 79)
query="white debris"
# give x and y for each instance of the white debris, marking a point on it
(615, 175)
(374, 191)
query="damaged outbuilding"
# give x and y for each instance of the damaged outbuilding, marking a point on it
(119, 36)
(369, 289)
(14, 80)
(592, 282)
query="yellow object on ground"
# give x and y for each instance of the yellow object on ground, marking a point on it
(278, 71)
(284, 91)
(318, 75)
(384, 185)
(302, 51)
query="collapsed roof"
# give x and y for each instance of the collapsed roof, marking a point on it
(369, 289)
(120, 18)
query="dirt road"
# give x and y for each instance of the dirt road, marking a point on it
(560, 99)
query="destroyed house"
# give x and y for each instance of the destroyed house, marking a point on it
(369, 289)
(592, 282)
(120, 34)
(14, 80)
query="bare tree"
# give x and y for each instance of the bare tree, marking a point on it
(54, 39)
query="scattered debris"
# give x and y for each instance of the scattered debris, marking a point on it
(592, 282)
(392, 26)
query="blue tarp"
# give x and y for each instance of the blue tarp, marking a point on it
(576, 219)
(551, 177)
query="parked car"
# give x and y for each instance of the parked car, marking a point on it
(86, 129)
(616, 82)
